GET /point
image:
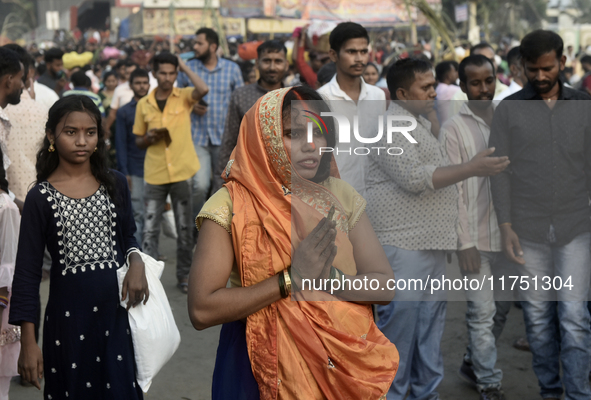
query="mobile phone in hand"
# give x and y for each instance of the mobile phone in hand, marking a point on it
(166, 135)
(203, 103)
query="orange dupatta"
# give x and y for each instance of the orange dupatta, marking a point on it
(298, 349)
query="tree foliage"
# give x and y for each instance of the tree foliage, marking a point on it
(505, 17)
(17, 17)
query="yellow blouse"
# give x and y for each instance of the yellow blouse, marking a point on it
(219, 209)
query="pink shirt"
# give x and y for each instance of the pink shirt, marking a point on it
(464, 136)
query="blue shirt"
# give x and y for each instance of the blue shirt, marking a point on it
(130, 158)
(222, 81)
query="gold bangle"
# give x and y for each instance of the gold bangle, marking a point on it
(505, 223)
(287, 280)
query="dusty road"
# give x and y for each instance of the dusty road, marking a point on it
(188, 374)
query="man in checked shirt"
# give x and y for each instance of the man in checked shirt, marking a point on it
(272, 66)
(209, 115)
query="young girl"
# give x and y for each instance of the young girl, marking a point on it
(110, 81)
(82, 212)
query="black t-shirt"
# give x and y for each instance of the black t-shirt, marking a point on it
(50, 81)
(161, 104)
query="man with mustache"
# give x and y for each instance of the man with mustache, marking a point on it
(11, 87)
(542, 207)
(162, 125)
(349, 95)
(54, 77)
(479, 239)
(460, 97)
(27, 120)
(209, 115)
(272, 66)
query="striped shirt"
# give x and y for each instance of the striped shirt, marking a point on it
(77, 91)
(222, 81)
(464, 136)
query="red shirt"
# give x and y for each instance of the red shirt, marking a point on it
(306, 72)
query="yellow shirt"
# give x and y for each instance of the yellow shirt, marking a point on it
(175, 163)
(219, 209)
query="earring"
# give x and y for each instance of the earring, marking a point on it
(51, 149)
(95, 149)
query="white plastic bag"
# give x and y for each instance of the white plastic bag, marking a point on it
(168, 223)
(153, 330)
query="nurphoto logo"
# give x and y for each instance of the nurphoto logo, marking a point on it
(344, 133)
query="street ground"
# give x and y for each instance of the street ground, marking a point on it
(188, 375)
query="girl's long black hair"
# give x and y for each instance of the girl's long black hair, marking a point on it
(47, 161)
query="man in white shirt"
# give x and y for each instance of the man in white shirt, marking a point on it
(44, 95)
(518, 78)
(446, 74)
(349, 95)
(27, 120)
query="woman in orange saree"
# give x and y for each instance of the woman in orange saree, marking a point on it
(269, 218)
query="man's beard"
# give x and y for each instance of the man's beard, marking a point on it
(14, 97)
(481, 103)
(140, 95)
(545, 89)
(270, 79)
(205, 56)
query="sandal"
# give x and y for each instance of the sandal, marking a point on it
(183, 287)
(522, 344)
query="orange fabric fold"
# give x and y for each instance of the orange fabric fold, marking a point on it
(298, 349)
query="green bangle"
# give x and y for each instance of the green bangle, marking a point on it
(337, 274)
(333, 273)
(282, 288)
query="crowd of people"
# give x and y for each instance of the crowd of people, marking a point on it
(496, 168)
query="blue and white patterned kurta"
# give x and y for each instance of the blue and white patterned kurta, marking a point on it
(87, 346)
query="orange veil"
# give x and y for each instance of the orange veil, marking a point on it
(298, 349)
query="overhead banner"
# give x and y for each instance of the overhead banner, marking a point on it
(187, 21)
(362, 11)
(256, 25)
(242, 8)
